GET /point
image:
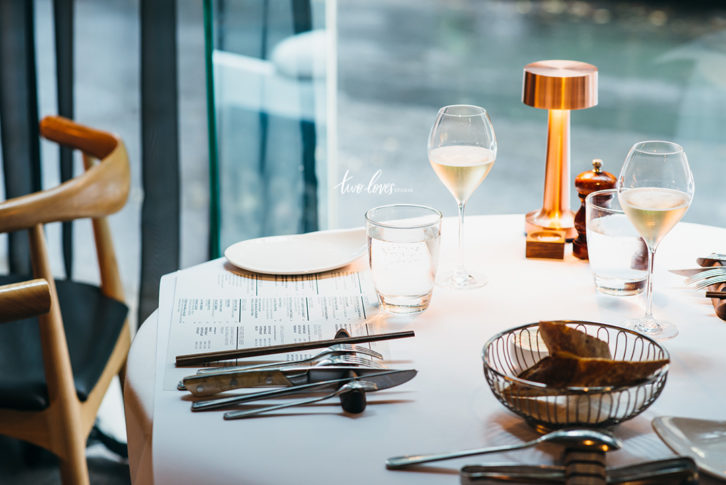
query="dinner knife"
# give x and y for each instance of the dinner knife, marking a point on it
(382, 379)
(202, 385)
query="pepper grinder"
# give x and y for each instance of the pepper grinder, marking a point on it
(586, 183)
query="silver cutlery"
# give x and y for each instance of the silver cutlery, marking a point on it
(580, 438)
(681, 470)
(699, 285)
(229, 375)
(332, 350)
(354, 385)
(707, 273)
(711, 259)
(693, 271)
(202, 385)
(383, 379)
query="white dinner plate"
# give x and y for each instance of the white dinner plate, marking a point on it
(701, 439)
(313, 252)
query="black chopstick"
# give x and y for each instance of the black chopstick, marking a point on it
(194, 359)
(716, 294)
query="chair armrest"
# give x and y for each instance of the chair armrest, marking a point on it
(23, 300)
(100, 191)
(66, 132)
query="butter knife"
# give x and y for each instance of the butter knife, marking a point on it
(202, 385)
(382, 379)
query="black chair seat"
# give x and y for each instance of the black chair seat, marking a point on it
(92, 322)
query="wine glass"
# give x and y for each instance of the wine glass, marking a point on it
(462, 148)
(655, 189)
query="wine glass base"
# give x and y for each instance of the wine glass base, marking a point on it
(461, 280)
(655, 329)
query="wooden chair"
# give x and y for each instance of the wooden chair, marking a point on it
(23, 300)
(56, 368)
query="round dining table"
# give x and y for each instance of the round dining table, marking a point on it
(448, 405)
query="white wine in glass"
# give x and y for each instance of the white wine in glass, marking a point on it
(654, 211)
(461, 168)
(462, 149)
(655, 189)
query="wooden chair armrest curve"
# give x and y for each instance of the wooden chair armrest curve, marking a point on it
(99, 191)
(66, 132)
(25, 299)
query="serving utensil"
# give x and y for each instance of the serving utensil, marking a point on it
(351, 386)
(681, 470)
(574, 438)
(383, 379)
(204, 357)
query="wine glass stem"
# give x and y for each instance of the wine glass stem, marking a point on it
(649, 288)
(460, 258)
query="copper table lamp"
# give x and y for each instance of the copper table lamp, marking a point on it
(558, 86)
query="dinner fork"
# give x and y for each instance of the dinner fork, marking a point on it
(336, 349)
(699, 285)
(330, 360)
(707, 273)
(348, 359)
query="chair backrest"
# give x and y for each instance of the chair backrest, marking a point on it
(100, 190)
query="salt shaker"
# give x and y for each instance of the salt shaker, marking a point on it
(586, 183)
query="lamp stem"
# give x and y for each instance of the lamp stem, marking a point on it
(556, 202)
(555, 212)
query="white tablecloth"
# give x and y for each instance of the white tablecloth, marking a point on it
(448, 406)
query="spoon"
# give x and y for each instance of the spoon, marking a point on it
(353, 401)
(573, 438)
(363, 386)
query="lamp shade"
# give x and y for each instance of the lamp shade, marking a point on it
(559, 84)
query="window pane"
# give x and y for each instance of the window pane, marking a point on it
(661, 76)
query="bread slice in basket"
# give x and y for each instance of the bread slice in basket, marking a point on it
(564, 369)
(577, 359)
(558, 337)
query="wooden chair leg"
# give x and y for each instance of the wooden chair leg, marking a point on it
(73, 467)
(67, 436)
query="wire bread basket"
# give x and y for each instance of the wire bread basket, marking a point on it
(510, 352)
